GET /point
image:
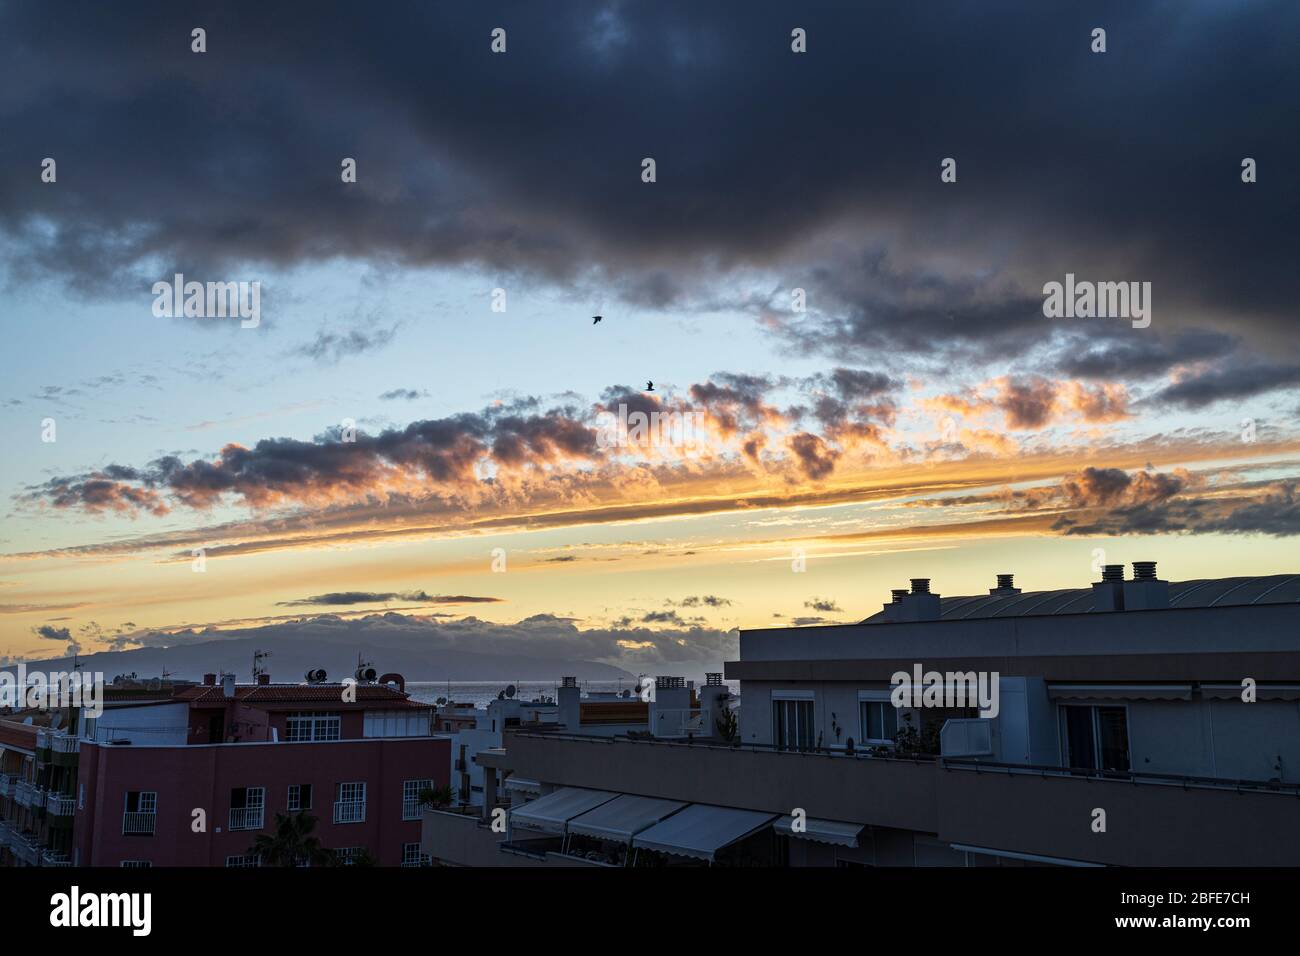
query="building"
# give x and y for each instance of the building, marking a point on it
(190, 776)
(1133, 722)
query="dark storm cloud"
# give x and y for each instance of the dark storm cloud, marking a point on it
(406, 394)
(444, 451)
(529, 162)
(1234, 382)
(344, 598)
(1126, 356)
(50, 633)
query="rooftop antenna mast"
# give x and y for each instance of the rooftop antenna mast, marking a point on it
(258, 669)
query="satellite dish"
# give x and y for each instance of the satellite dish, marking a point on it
(511, 691)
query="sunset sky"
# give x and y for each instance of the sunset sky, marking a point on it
(921, 418)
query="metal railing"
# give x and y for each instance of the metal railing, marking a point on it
(411, 809)
(349, 811)
(55, 858)
(1124, 776)
(138, 823)
(60, 804)
(246, 818)
(65, 744)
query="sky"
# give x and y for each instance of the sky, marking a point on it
(835, 276)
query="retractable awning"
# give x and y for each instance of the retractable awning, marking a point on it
(522, 785)
(821, 831)
(701, 830)
(1119, 691)
(552, 812)
(623, 818)
(1262, 691)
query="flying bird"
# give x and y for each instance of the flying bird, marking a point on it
(596, 318)
(649, 386)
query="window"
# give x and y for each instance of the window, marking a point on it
(140, 812)
(878, 720)
(299, 796)
(246, 807)
(1096, 738)
(411, 855)
(317, 725)
(411, 797)
(350, 805)
(792, 724)
(243, 861)
(135, 864)
(347, 855)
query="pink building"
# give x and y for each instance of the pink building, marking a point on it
(192, 778)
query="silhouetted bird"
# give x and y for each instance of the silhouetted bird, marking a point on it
(649, 386)
(596, 318)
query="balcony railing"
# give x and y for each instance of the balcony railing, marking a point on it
(25, 847)
(27, 794)
(55, 858)
(60, 805)
(6, 784)
(967, 737)
(411, 809)
(686, 722)
(138, 823)
(349, 811)
(246, 818)
(65, 744)
(42, 739)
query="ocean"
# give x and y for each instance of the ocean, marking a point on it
(479, 693)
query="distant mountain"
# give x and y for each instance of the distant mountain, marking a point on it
(334, 648)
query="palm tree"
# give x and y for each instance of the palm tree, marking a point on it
(291, 843)
(436, 797)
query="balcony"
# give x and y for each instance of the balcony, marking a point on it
(687, 722)
(55, 858)
(246, 818)
(60, 804)
(138, 824)
(349, 811)
(967, 737)
(6, 784)
(27, 794)
(26, 848)
(65, 744)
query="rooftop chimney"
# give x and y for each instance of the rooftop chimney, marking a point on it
(1108, 593)
(915, 605)
(227, 685)
(1145, 592)
(209, 680)
(1006, 585)
(263, 680)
